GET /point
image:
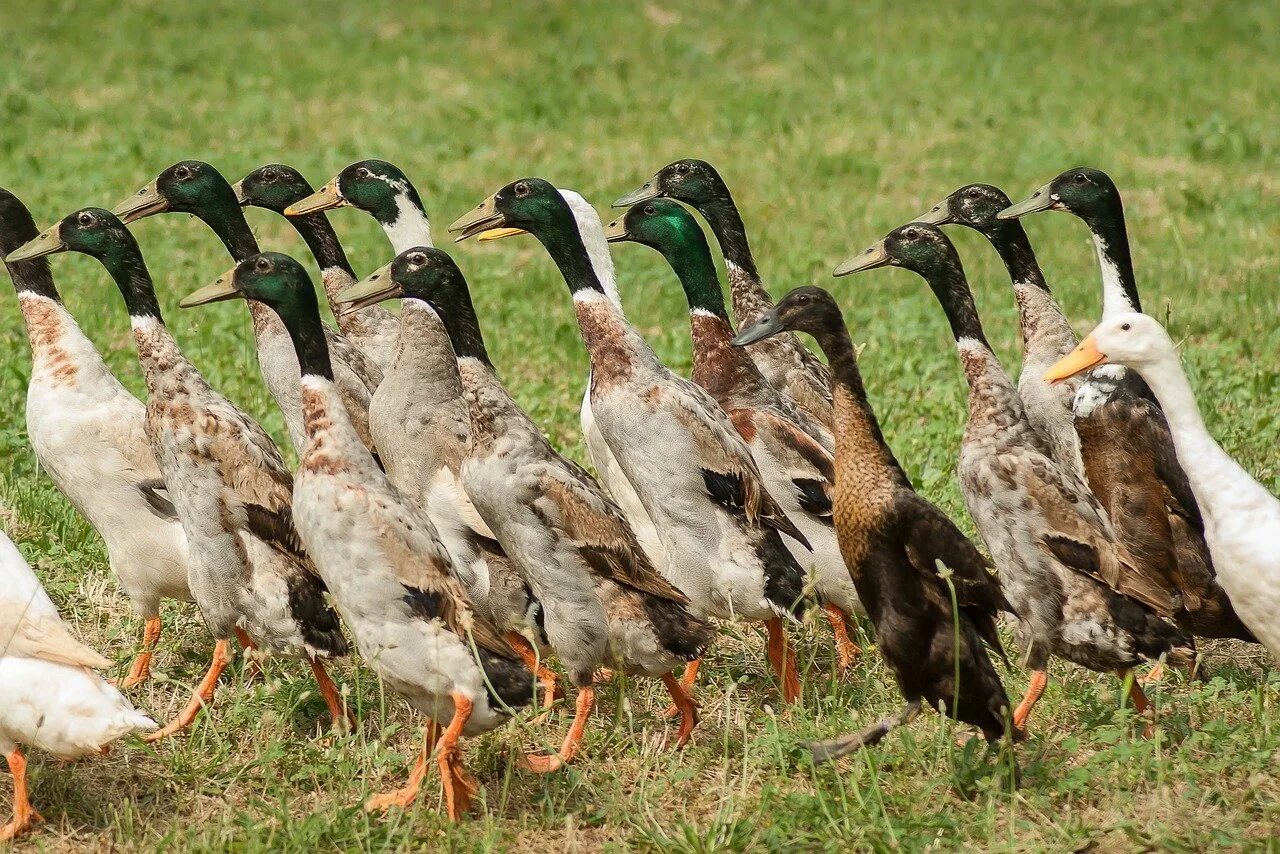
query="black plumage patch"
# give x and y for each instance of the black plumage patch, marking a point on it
(154, 492)
(681, 633)
(427, 604)
(509, 682)
(316, 620)
(813, 497)
(276, 528)
(724, 489)
(1073, 553)
(783, 577)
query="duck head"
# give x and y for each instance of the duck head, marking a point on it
(694, 182)
(658, 223)
(268, 277)
(274, 187)
(1132, 339)
(807, 309)
(530, 205)
(419, 273)
(1087, 193)
(916, 246)
(189, 186)
(374, 186)
(975, 205)
(91, 231)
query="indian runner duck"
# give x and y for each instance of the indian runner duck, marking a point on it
(1242, 519)
(195, 187)
(88, 435)
(227, 482)
(793, 450)
(1129, 457)
(894, 543)
(720, 530)
(1059, 561)
(783, 360)
(420, 415)
(373, 330)
(603, 602)
(53, 700)
(379, 555)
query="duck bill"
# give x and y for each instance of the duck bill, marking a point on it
(767, 325)
(616, 231)
(143, 203)
(646, 191)
(323, 199)
(45, 243)
(499, 233)
(241, 198)
(483, 218)
(1042, 199)
(371, 290)
(223, 288)
(874, 257)
(1082, 358)
(939, 214)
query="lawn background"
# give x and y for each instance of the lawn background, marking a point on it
(832, 123)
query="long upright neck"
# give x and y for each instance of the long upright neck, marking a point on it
(949, 285)
(460, 322)
(857, 429)
(1009, 239)
(307, 333)
(726, 224)
(406, 225)
(426, 353)
(322, 240)
(127, 268)
(564, 244)
(228, 222)
(1119, 287)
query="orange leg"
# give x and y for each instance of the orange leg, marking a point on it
(846, 650)
(338, 710)
(783, 660)
(23, 814)
(683, 701)
(141, 670)
(203, 695)
(404, 798)
(1140, 704)
(252, 669)
(529, 655)
(582, 712)
(1039, 679)
(687, 681)
(459, 787)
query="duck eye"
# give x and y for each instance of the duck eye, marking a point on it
(682, 169)
(85, 219)
(1125, 326)
(973, 192)
(417, 258)
(269, 174)
(649, 210)
(362, 172)
(803, 299)
(1081, 178)
(521, 189)
(263, 265)
(181, 172)
(911, 234)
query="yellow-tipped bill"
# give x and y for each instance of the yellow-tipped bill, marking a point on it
(499, 233)
(144, 203)
(323, 199)
(1080, 359)
(484, 217)
(223, 288)
(1041, 200)
(46, 242)
(372, 289)
(875, 256)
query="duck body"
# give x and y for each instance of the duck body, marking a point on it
(53, 700)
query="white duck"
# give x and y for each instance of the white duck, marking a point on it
(1241, 518)
(49, 696)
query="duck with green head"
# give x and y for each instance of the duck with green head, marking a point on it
(793, 450)
(1068, 579)
(380, 556)
(1128, 450)
(783, 360)
(381, 190)
(195, 187)
(373, 330)
(226, 479)
(893, 540)
(603, 602)
(89, 435)
(720, 530)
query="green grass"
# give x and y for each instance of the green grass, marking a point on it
(833, 124)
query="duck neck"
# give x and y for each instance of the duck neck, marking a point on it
(1111, 240)
(227, 221)
(1010, 241)
(1045, 330)
(404, 220)
(452, 303)
(745, 289)
(32, 276)
(316, 230)
(129, 270)
(426, 354)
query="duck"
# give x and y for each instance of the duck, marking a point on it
(603, 602)
(1241, 517)
(226, 480)
(380, 557)
(88, 434)
(894, 542)
(1129, 457)
(53, 699)
(196, 187)
(373, 331)
(1047, 336)
(721, 531)
(1060, 565)
(421, 417)
(794, 451)
(784, 361)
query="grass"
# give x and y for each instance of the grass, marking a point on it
(833, 124)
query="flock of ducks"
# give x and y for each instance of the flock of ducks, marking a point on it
(430, 517)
